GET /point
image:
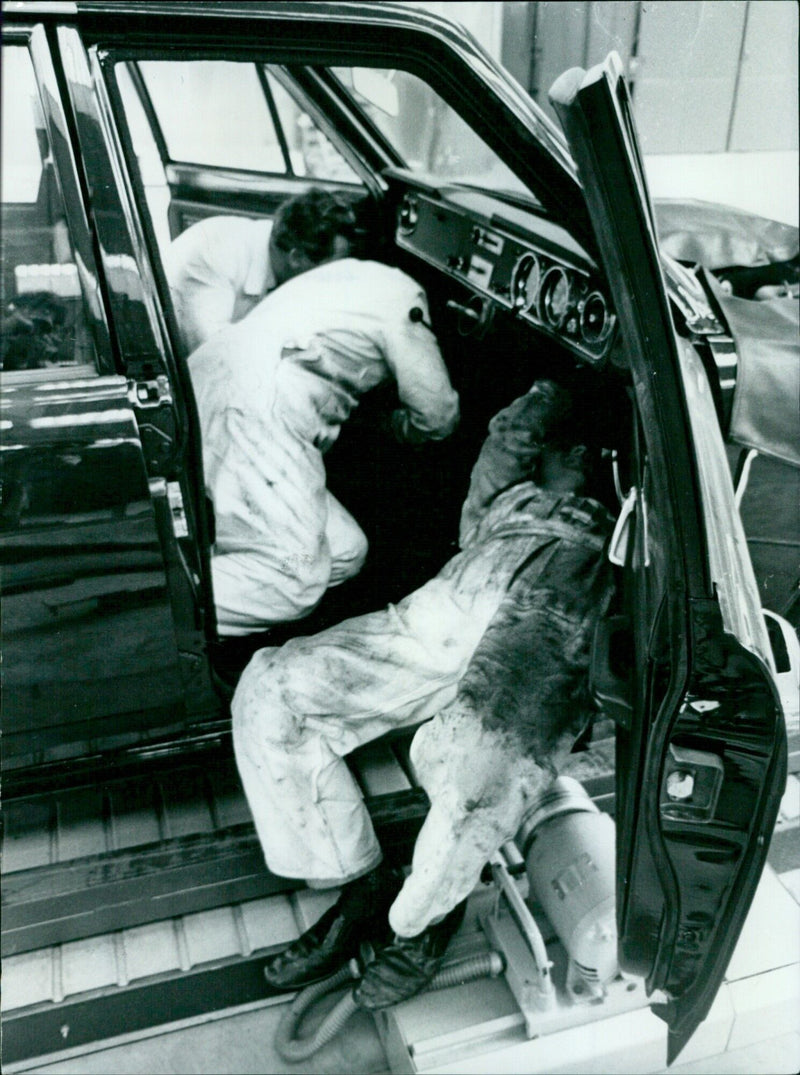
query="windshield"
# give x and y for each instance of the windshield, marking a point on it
(426, 133)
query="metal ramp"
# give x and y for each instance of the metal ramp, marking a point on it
(145, 899)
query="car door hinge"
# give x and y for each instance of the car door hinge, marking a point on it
(153, 393)
(180, 526)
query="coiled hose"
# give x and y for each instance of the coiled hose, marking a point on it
(295, 1049)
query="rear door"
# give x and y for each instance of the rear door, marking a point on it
(90, 651)
(701, 768)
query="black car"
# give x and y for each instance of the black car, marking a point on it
(125, 123)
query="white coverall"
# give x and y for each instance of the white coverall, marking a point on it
(497, 645)
(272, 393)
(218, 270)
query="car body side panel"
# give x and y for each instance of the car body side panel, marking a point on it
(85, 604)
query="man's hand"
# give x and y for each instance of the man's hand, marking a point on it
(404, 431)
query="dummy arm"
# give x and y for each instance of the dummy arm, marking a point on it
(508, 456)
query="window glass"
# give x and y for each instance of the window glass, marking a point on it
(213, 112)
(151, 169)
(43, 325)
(22, 157)
(429, 136)
(311, 151)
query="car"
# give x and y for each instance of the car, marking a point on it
(125, 123)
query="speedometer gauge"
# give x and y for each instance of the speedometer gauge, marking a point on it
(525, 282)
(555, 297)
(595, 318)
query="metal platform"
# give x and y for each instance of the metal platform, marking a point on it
(478, 1027)
(143, 901)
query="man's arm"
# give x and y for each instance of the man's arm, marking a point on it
(508, 456)
(429, 404)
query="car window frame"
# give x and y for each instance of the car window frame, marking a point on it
(60, 136)
(154, 118)
(264, 70)
(440, 53)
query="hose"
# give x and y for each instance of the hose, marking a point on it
(295, 1049)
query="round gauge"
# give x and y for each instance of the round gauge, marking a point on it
(525, 281)
(555, 297)
(595, 318)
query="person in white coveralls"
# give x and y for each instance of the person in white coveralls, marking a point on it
(220, 268)
(272, 392)
(495, 649)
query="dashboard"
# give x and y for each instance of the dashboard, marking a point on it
(546, 279)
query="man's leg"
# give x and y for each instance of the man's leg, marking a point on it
(253, 590)
(347, 542)
(271, 561)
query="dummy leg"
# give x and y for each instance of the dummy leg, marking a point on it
(481, 761)
(298, 710)
(479, 788)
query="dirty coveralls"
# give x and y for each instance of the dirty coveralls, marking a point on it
(272, 393)
(494, 649)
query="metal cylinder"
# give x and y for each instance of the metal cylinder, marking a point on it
(569, 848)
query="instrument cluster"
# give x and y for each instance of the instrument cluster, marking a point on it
(542, 277)
(561, 299)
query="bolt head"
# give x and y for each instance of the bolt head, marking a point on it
(680, 785)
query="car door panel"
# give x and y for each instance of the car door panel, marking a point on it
(89, 642)
(701, 771)
(87, 626)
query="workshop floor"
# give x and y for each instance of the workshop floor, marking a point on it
(241, 1042)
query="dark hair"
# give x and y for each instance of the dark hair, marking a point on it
(580, 414)
(310, 222)
(582, 411)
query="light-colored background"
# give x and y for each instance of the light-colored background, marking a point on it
(715, 84)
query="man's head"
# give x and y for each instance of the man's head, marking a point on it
(565, 423)
(308, 229)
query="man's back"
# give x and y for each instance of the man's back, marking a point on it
(218, 270)
(345, 327)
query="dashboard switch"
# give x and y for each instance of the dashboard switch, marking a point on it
(457, 262)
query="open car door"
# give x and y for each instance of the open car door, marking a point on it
(701, 762)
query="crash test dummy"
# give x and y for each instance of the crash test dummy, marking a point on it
(494, 649)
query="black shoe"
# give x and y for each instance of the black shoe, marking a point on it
(360, 914)
(407, 965)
